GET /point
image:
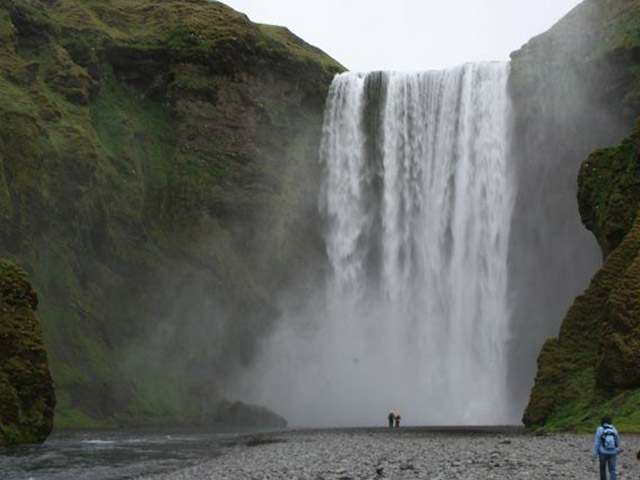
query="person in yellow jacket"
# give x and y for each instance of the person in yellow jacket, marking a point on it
(398, 418)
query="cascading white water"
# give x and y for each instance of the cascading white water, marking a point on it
(418, 200)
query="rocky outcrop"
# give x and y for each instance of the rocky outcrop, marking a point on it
(157, 180)
(592, 367)
(573, 90)
(239, 414)
(26, 390)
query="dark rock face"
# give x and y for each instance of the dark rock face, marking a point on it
(573, 89)
(241, 414)
(158, 165)
(26, 390)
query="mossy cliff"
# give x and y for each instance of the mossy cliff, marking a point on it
(574, 90)
(592, 367)
(149, 150)
(26, 390)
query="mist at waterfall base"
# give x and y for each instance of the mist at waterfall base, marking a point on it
(417, 199)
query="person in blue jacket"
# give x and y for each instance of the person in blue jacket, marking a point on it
(391, 417)
(606, 445)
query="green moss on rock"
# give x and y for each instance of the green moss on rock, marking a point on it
(148, 150)
(609, 191)
(592, 367)
(574, 90)
(26, 390)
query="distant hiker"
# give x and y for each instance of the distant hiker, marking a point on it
(606, 445)
(391, 417)
(397, 417)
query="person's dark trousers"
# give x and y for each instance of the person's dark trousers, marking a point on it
(609, 460)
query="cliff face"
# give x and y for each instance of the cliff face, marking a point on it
(155, 157)
(584, 81)
(26, 390)
(574, 89)
(592, 367)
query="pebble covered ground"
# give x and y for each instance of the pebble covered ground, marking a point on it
(410, 453)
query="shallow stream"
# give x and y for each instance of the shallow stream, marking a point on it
(111, 454)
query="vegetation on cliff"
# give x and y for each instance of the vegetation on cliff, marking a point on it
(590, 54)
(26, 390)
(147, 150)
(592, 367)
(573, 89)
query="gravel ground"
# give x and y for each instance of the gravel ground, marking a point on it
(408, 453)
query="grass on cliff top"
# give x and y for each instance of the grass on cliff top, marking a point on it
(294, 44)
(189, 27)
(592, 29)
(147, 21)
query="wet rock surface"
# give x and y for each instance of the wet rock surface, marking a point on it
(408, 453)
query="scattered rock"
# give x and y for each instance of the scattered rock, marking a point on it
(341, 455)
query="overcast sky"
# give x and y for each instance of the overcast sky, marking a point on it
(410, 35)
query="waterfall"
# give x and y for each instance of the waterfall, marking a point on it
(417, 197)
